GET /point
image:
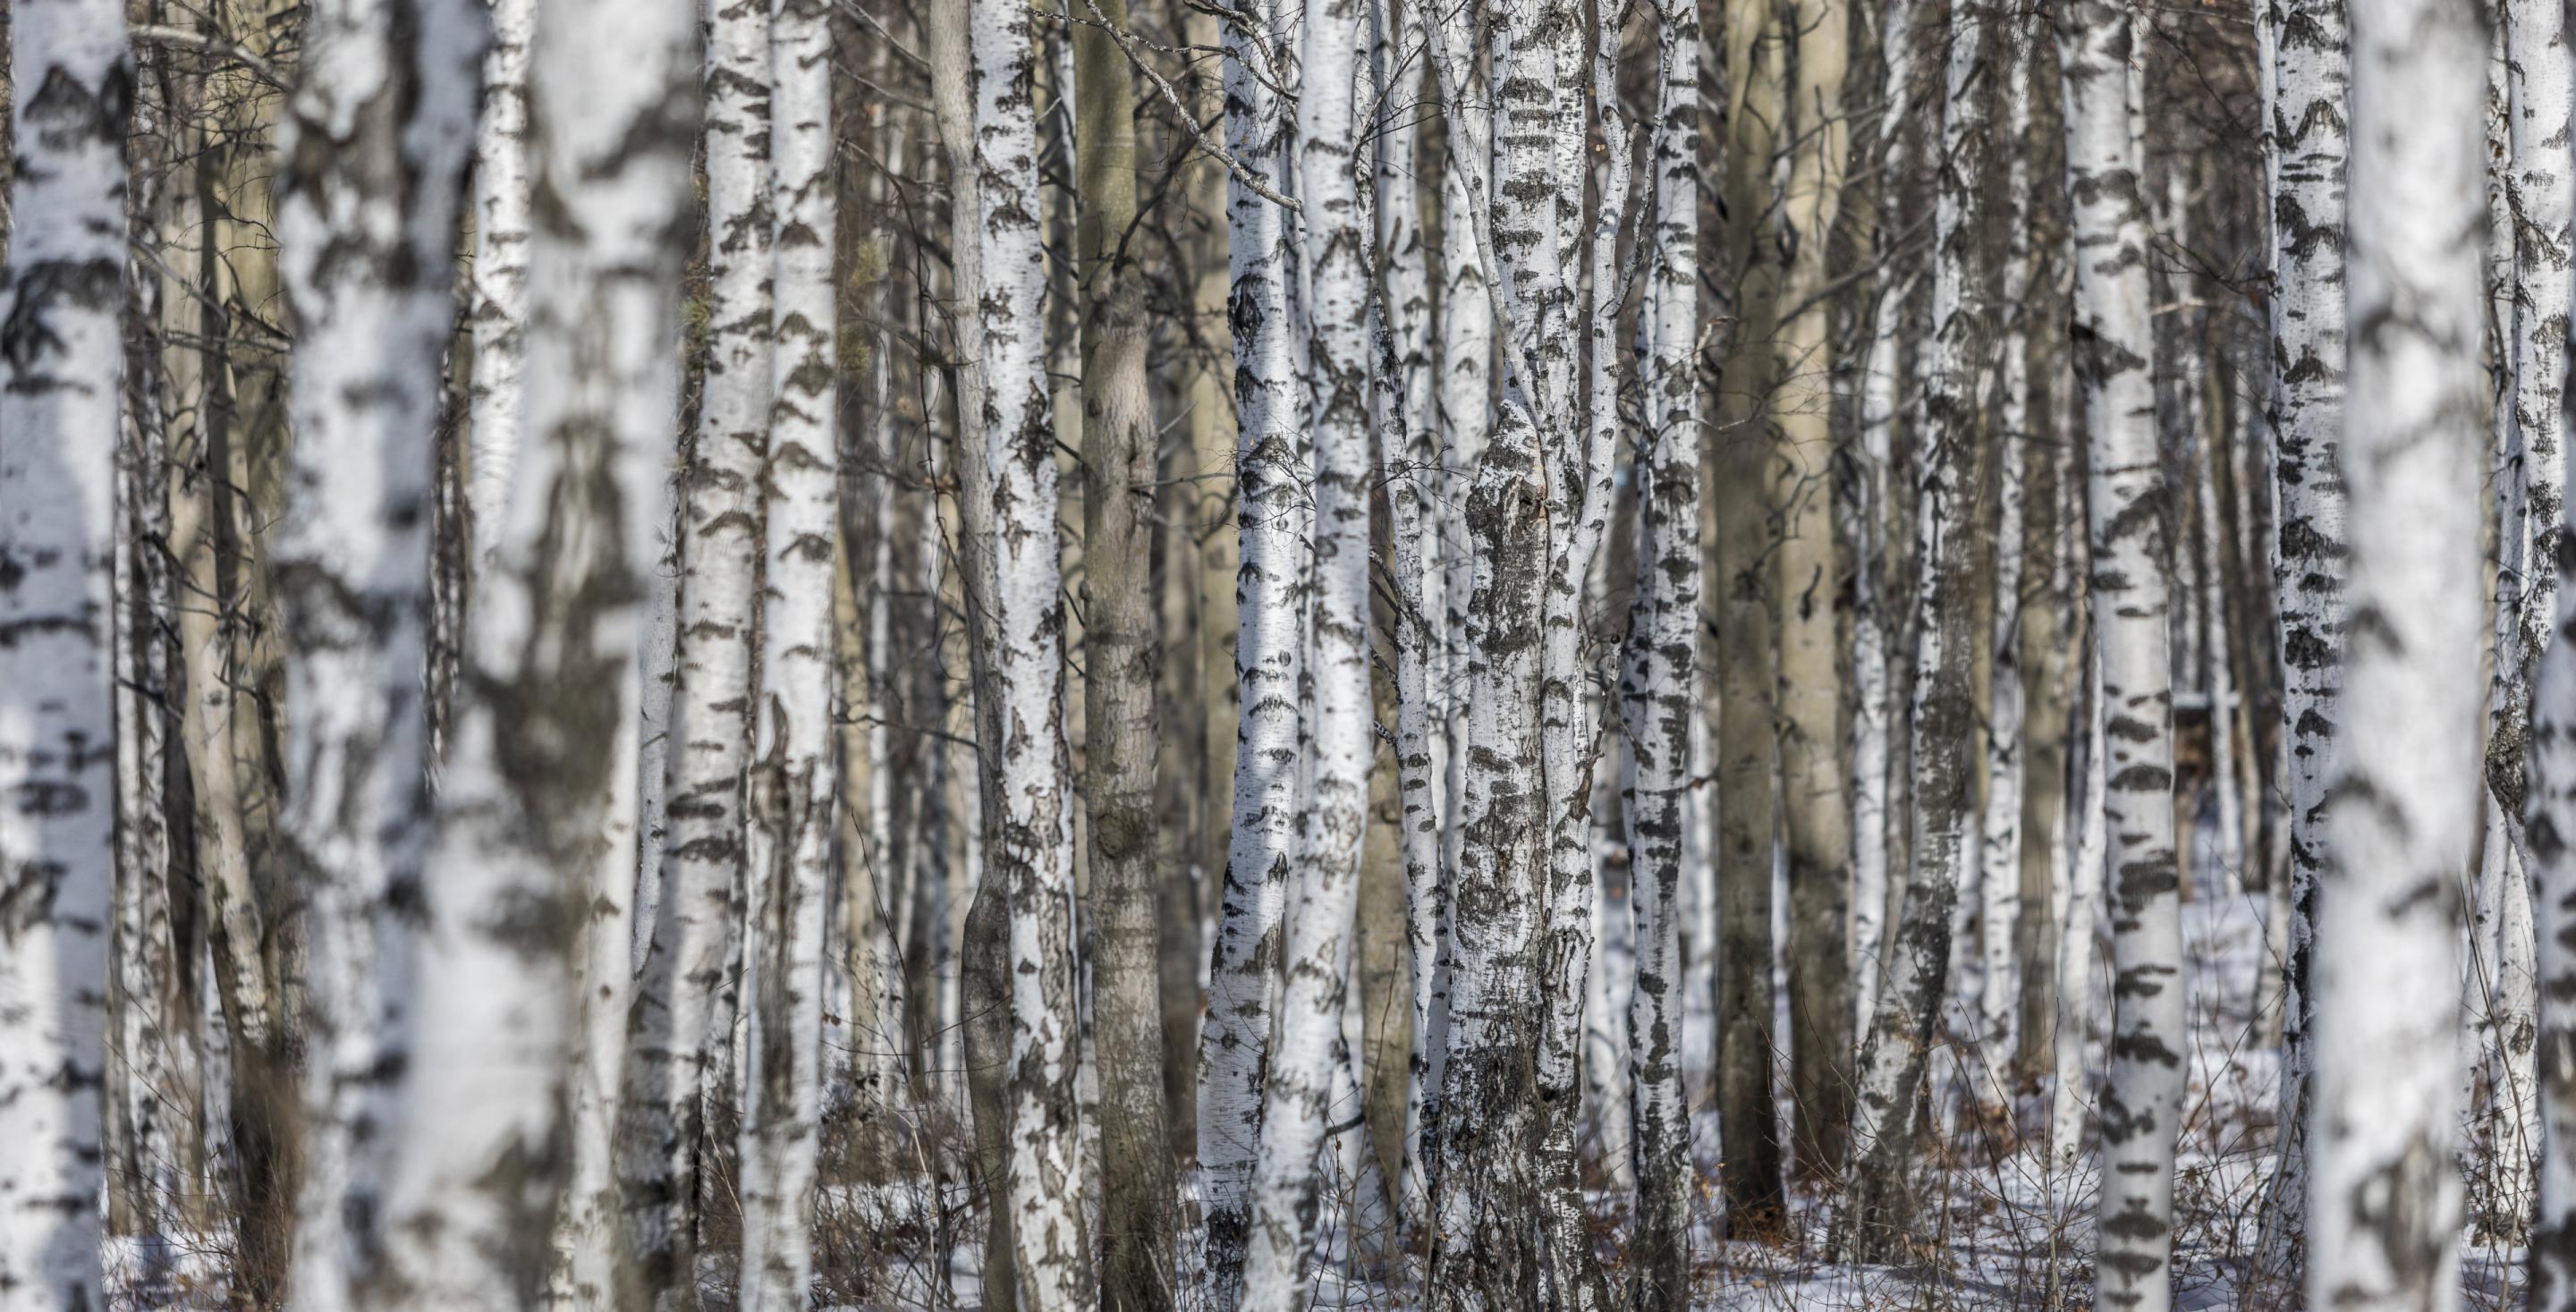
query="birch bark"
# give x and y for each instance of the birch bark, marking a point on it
(2387, 1016)
(502, 202)
(2126, 504)
(1657, 696)
(1310, 1045)
(527, 802)
(1029, 835)
(62, 294)
(1950, 460)
(675, 1046)
(1579, 456)
(1874, 555)
(1273, 520)
(1999, 833)
(2542, 191)
(2307, 144)
(1489, 1193)
(1409, 439)
(1465, 397)
(793, 778)
(374, 147)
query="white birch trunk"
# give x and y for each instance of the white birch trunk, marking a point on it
(1918, 957)
(1465, 400)
(497, 405)
(2387, 1007)
(1580, 451)
(1873, 704)
(1658, 697)
(154, 1037)
(676, 1045)
(2082, 897)
(1310, 1043)
(2543, 195)
(1999, 836)
(1489, 1190)
(1273, 516)
(2307, 144)
(529, 799)
(374, 150)
(62, 297)
(794, 780)
(1031, 839)
(1409, 438)
(2130, 608)
(1465, 392)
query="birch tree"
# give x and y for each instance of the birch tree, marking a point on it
(1272, 524)
(2306, 146)
(526, 800)
(673, 1042)
(1657, 699)
(497, 403)
(1409, 442)
(1488, 1190)
(793, 780)
(1873, 553)
(1952, 450)
(1030, 838)
(2387, 1013)
(1465, 400)
(1579, 459)
(1999, 832)
(374, 156)
(2126, 503)
(62, 293)
(1310, 1044)
(2530, 488)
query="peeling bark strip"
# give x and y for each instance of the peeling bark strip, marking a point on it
(1029, 838)
(2130, 605)
(1311, 1059)
(527, 800)
(374, 152)
(2306, 144)
(2385, 1201)
(788, 837)
(62, 294)
(1657, 700)
(1273, 520)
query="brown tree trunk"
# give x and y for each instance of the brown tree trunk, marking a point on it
(1120, 655)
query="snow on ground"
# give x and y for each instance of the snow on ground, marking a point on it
(2002, 1230)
